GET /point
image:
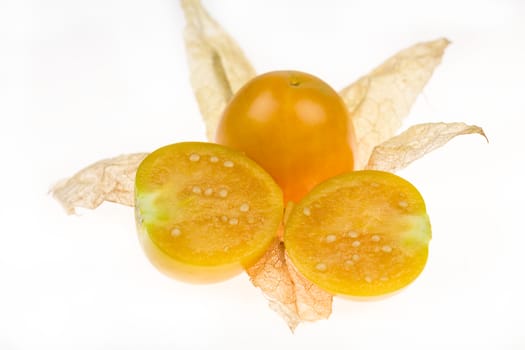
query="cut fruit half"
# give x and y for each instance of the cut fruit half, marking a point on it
(361, 234)
(204, 212)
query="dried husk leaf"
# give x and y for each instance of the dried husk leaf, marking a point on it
(312, 302)
(271, 275)
(415, 142)
(218, 67)
(379, 101)
(290, 294)
(111, 180)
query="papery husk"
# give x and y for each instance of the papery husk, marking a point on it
(111, 180)
(218, 67)
(418, 140)
(379, 101)
(290, 294)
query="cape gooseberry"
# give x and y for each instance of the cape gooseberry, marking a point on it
(205, 212)
(294, 125)
(360, 234)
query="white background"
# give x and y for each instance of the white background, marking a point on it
(84, 80)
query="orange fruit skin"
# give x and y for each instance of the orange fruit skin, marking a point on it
(294, 125)
(182, 271)
(204, 212)
(363, 234)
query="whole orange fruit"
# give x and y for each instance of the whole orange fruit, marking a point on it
(294, 125)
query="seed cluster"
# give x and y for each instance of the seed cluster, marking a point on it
(206, 190)
(194, 158)
(220, 191)
(356, 242)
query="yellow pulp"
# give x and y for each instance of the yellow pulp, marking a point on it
(204, 212)
(361, 234)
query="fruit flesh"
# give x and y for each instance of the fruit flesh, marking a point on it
(294, 125)
(361, 234)
(204, 212)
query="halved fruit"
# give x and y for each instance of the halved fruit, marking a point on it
(360, 234)
(205, 212)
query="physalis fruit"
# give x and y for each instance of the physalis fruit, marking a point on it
(294, 125)
(360, 234)
(205, 212)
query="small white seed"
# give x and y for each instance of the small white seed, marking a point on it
(228, 164)
(245, 207)
(386, 248)
(321, 267)
(348, 263)
(403, 204)
(352, 234)
(194, 157)
(330, 238)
